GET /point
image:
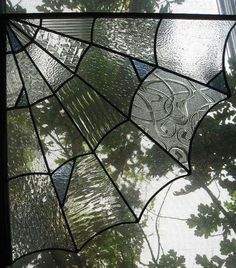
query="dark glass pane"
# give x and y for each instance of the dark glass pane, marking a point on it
(34, 84)
(219, 83)
(92, 202)
(192, 48)
(169, 107)
(111, 75)
(60, 138)
(94, 116)
(143, 69)
(24, 153)
(36, 220)
(22, 100)
(134, 37)
(14, 84)
(137, 165)
(61, 179)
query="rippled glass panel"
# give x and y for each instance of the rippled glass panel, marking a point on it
(92, 202)
(36, 219)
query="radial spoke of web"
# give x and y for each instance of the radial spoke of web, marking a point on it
(45, 160)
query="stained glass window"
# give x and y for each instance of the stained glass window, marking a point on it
(117, 136)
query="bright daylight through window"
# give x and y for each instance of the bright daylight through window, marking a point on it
(117, 134)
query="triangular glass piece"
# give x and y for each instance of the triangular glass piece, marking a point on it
(142, 68)
(218, 82)
(22, 99)
(15, 44)
(61, 179)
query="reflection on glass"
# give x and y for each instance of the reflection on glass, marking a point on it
(36, 219)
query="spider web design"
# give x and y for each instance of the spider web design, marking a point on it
(101, 117)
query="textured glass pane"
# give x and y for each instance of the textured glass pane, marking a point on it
(24, 154)
(94, 116)
(92, 202)
(61, 179)
(78, 28)
(60, 138)
(134, 37)
(192, 48)
(53, 71)
(33, 81)
(14, 84)
(67, 50)
(169, 107)
(138, 166)
(110, 74)
(36, 220)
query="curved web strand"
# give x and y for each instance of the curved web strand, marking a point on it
(139, 167)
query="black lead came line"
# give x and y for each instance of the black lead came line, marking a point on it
(5, 232)
(71, 15)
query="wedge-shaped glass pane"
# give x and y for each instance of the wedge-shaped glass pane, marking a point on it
(111, 75)
(24, 153)
(92, 203)
(78, 28)
(65, 49)
(14, 84)
(134, 37)
(93, 115)
(192, 47)
(60, 138)
(137, 165)
(36, 220)
(61, 178)
(53, 71)
(34, 84)
(169, 107)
